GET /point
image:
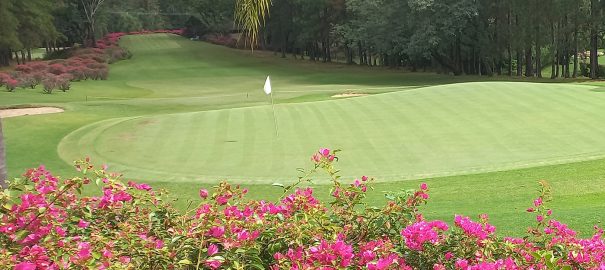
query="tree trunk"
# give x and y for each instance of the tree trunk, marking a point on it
(328, 51)
(17, 58)
(360, 53)
(519, 64)
(91, 34)
(575, 54)
(557, 63)
(5, 57)
(529, 71)
(575, 39)
(553, 75)
(594, 39)
(538, 61)
(3, 173)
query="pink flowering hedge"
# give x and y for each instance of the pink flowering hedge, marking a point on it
(45, 223)
(83, 64)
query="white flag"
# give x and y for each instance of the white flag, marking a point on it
(267, 86)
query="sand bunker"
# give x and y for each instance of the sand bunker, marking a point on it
(5, 113)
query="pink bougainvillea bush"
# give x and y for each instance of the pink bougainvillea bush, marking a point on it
(83, 64)
(45, 223)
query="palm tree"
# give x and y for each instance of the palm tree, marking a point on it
(250, 16)
(2, 159)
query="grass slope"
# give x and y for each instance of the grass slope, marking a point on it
(190, 86)
(433, 131)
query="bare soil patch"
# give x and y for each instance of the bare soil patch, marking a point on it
(5, 113)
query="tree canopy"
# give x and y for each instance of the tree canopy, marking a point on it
(482, 37)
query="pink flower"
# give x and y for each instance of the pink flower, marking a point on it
(222, 200)
(470, 228)
(424, 186)
(25, 266)
(417, 234)
(324, 152)
(212, 249)
(213, 264)
(538, 202)
(549, 212)
(203, 193)
(159, 244)
(438, 267)
(539, 218)
(461, 264)
(125, 259)
(84, 251)
(243, 235)
(60, 231)
(107, 253)
(83, 224)
(217, 231)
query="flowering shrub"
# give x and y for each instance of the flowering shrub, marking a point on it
(8, 81)
(49, 84)
(28, 80)
(83, 64)
(45, 223)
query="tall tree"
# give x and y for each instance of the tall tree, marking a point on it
(8, 31)
(595, 25)
(91, 9)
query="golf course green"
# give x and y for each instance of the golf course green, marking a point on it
(183, 114)
(428, 132)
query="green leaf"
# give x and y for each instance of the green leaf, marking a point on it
(7, 206)
(258, 266)
(21, 234)
(96, 255)
(217, 258)
(185, 262)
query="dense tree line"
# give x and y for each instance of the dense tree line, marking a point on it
(484, 37)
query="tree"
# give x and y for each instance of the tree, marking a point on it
(250, 16)
(91, 9)
(595, 24)
(2, 159)
(8, 31)
(35, 24)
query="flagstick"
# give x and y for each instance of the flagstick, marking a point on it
(274, 117)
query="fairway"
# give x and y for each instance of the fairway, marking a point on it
(182, 114)
(435, 131)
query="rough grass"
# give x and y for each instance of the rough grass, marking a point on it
(175, 97)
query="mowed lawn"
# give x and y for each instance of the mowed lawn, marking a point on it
(182, 115)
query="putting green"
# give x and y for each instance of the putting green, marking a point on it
(433, 131)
